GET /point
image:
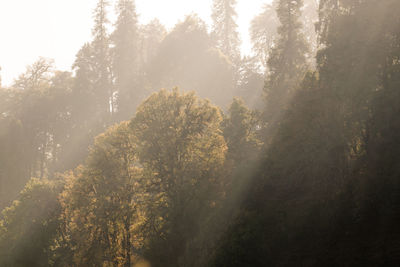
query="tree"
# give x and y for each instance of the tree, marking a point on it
(85, 120)
(180, 145)
(309, 19)
(92, 92)
(251, 82)
(187, 59)
(151, 37)
(240, 132)
(101, 202)
(287, 61)
(58, 109)
(14, 163)
(102, 63)
(31, 108)
(126, 57)
(146, 184)
(29, 226)
(36, 76)
(35, 126)
(263, 32)
(224, 29)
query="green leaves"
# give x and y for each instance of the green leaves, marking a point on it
(30, 225)
(142, 177)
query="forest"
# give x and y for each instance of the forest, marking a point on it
(169, 148)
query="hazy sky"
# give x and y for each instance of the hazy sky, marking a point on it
(58, 28)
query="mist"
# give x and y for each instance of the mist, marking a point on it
(171, 146)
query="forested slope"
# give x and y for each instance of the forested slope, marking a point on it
(99, 167)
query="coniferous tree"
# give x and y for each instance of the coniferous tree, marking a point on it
(151, 37)
(92, 90)
(125, 57)
(263, 31)
(240, 132)
(251, 82)
(101, 62)
(287, 61)
(225, 28)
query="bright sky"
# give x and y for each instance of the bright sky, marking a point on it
(58, 28)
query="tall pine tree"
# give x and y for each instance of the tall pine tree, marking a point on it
(101, 60)
(225, 28)
(125, 56)
(287, 61)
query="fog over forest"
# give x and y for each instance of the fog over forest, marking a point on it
(170, 148)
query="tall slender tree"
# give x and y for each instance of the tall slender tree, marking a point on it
(287, 61)
(125, 55)
(264, 34)
(225, 28)
(101, 57)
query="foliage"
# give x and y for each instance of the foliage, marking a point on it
(320, 197)
(98, 202)
(29, 226)
(180, 144)
(286, 63)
